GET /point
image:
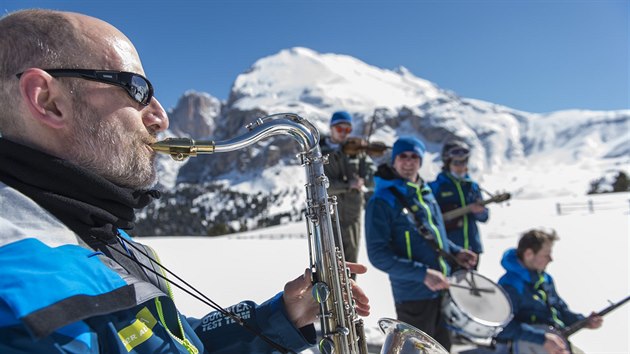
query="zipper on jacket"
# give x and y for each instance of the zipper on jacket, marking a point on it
(462, 200)
(408, 242)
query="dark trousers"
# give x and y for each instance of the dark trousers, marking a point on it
(426, 315)
(351, 238)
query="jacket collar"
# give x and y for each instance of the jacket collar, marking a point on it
(513, 265)
(91, 206)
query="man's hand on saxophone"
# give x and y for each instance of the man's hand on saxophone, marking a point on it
(301, 307)
(362, 302)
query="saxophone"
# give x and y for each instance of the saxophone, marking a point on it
(342, 329)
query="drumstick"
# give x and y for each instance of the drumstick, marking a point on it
(473, 289)
(486, 290)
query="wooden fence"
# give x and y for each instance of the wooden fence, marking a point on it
(268, 236)
(591, 206)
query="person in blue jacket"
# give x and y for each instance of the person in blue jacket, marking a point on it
(535, 302)
(407, 240)
(77, 120)
(454, 189)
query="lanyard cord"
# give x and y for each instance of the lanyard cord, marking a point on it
(201, 297)
(422, 230)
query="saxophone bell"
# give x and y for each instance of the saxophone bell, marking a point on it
(402, 338)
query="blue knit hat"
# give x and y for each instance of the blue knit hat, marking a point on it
(408, 143)
(340, 117)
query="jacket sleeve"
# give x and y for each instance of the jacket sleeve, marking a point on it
(453, 248)
(222, 335)
(483, 216)
(435, 189)
(379, 218)
(517, 330)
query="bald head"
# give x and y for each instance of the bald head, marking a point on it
(103, 45)
(51, 39)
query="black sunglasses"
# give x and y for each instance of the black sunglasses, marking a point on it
(136, 85)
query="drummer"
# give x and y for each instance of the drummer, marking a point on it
(533, 295)
(416, 271)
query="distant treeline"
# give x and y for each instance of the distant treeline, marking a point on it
(620, 183)
(211, 210)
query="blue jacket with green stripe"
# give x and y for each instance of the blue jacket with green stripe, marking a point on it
(534, 301)
(59, 296)
(394, 244)
(452, 193)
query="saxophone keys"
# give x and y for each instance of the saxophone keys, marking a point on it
(320, 292)
(344, 331)
(326, 346)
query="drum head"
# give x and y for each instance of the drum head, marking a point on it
(480, 298)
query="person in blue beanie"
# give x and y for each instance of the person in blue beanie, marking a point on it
(351, 176)
(405, 238)
(535, 301)
(77, 122)
(453, 189)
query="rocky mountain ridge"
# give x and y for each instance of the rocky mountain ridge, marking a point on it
(385, 104)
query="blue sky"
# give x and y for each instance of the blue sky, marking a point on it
(532, 55)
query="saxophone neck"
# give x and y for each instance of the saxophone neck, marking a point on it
(300, 129)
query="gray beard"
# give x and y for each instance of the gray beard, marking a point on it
(103, 148)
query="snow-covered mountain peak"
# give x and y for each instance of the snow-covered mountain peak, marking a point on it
(305, 81)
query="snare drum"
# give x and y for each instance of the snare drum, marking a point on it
(476, 306)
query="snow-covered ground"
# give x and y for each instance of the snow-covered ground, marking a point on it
(591, 262)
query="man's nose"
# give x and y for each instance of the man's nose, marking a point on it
(155, 118)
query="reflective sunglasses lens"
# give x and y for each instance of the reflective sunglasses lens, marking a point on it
(140, 90)
(343, 129)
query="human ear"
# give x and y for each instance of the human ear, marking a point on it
(43, 96)
(528, 255)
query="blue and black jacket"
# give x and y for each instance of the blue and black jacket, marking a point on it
(394, 244)
(453, 193)
(57, 295)
(534, 302)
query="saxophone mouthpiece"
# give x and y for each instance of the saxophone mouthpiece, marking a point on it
(178, 148)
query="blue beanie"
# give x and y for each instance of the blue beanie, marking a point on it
(408, 143)
(340, 117)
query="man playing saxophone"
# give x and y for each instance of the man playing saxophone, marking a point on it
(77, 121)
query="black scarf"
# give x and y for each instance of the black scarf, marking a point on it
(91, 206)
